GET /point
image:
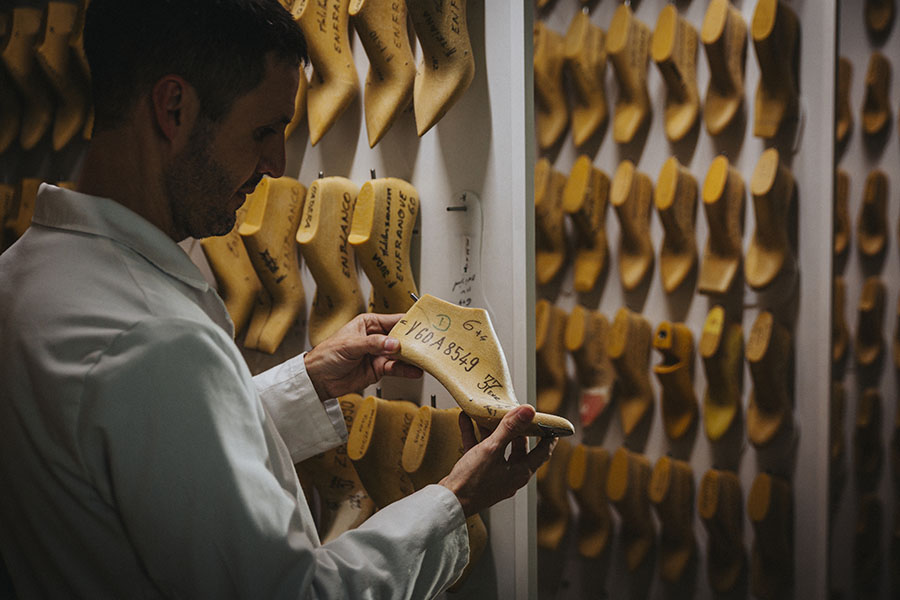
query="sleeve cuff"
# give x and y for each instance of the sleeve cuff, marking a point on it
(307, 425)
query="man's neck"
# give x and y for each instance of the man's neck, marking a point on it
(121, 167)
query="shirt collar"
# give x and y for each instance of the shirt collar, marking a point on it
(66, 209)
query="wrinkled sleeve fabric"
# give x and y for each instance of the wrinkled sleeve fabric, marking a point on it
(307, 425)
(174, 436)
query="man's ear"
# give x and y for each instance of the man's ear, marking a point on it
(175, 106)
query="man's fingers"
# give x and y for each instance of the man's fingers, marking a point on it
(377, 344)
(398, 368)
(379, 323)
(518, 450)
(467, 431)
(514, 424)
(540, 453)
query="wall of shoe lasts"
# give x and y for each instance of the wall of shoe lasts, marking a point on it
(865, 447)
(682, 220)
(406, 169)
(700, 462)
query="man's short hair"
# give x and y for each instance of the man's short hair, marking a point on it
(218, 46)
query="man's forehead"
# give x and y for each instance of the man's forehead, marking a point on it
(276, 93)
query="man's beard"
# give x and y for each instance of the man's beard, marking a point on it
(198, 189)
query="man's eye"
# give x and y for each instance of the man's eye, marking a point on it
(263, 133)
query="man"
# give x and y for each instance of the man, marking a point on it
(138, 457)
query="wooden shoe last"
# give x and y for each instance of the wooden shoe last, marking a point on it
(552, 113)
(10, 104)
(871, 224)
(549, 222)
(868, 346)
(844, 119)
(550, 331)
(586, 338)
(56, 59)
(448, 64)
(268, 231)
(840, 333)
(676, 377)
(344, 502)
(458, 346)
(674, 50)
(776, 37)
(381, 233)
(724, 35)
(375, 445)
(433, 446)
(676, 201)
(20, 59)
(588, 472)
(769, 354)
(722, 351)
(770, 253)
(585, 197)
(334, 83)
(629, 351)
(299, 104)
(323, 238)
(671, 492)
(770, 508)
(626, 488)
(585, 54)
(876, 109)
(553, 506)
(382, 28)
(236, 279)
(20, 219)
(720, 506)
(723, 203)
(631, 196)
(841, 212)
(879, 16)
(628, 49)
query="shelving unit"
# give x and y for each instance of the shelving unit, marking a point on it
(564, 574)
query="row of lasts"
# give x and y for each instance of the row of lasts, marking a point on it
(612, 363)
(879, 14)
(256, 265)
(584, 195)
(44, 75)
(630, 484)
(393, 81)
(628, 45)
(871, 222)
(394, 448)
(875, 114)
(868, 342)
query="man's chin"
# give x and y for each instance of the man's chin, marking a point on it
(221, 226)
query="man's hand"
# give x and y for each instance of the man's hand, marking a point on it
(484, 476)
(357, 355)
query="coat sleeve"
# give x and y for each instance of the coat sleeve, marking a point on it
(307, 425)
(187, 463)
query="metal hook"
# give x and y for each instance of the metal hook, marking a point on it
(321, 174)
(433, 401)
(372, 173)
(414, 297)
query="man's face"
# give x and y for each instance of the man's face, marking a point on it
(223, 162)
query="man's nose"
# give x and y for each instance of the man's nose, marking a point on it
(272, 161)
